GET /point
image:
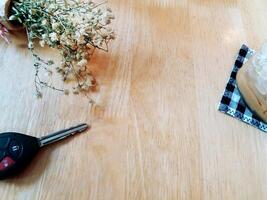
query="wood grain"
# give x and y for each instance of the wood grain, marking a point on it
(156, 132)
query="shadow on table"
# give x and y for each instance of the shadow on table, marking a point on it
(19, 38)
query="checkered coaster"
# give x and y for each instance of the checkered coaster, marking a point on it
(232, 102)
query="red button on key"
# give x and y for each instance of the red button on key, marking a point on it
(6, 162)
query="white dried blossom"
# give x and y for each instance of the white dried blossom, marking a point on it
(53, 36)
(42, 43)
(30, 45)
(51, 7)
(82, 63)
(44, 36)
(55, 26)
(44, 22)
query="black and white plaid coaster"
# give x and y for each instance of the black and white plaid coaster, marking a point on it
(232, 102)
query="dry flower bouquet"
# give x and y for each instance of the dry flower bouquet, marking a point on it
(74, 27)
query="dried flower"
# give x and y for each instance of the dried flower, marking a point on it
(30, 45)
(44, 22)
(42, 43)
(82, 63)
(53, 37)
(75, 27)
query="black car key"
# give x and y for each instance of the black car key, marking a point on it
(17, 150)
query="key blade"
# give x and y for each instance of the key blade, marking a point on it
(59, 135)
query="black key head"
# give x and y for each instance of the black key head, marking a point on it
(16, 151)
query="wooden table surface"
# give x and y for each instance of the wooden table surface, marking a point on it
(156, 132)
